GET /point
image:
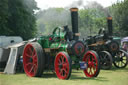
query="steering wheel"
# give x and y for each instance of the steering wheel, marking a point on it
(56, 31)
(100, 31)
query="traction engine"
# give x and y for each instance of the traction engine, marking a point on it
(107, 48)
(61, 52)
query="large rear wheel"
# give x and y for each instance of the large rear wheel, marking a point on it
(62, 65)
(105, 60)
(33, 59)
(120, 59)
(93, 67)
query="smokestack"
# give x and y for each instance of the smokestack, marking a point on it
(74, 19)
(110, 29)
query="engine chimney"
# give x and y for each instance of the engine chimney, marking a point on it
(110, 29)
(74, 19)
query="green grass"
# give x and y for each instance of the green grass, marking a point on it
(106, 77)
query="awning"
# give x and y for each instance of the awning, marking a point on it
(125, 39)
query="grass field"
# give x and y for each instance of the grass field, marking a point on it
(106, 77)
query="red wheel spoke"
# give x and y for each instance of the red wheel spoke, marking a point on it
(35, 68)
(65, 70)
(88, 68)
(58, 69)
(65, 65)
(94, 67)
(62, 57)
(29, 64)
(58, 64)
(95, 63)
(30, 49)
(92, 58)
(34, 54)
(61, 72)
(59, 61)
(31, 69)
(27, 55)
(35, 63)
(88, 58)
(35, 60)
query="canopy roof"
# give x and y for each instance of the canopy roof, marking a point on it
(125, 39)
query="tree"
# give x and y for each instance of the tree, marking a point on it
(3, 17)
(18, 18)
(48, 19)
(21, 18)
(119, 13)
(91, 20)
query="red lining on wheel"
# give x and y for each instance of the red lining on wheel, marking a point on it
(92, 61)
(30, 60)
(62, 66)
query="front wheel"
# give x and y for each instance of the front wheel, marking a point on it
(120, 59)
(62, 65)
(93, 69)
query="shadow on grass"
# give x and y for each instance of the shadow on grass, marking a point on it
(53, 74)
(76, 71)
(119, 69)
(74, 77)
(49, 75)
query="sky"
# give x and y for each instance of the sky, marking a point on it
(45, 4)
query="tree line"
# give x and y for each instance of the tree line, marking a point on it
(92, 17)
(18, 18)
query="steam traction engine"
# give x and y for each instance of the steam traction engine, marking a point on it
(60, 51)
(107, 48)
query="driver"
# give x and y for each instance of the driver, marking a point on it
(69, 34)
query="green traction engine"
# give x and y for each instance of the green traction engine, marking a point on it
(61, 52)
(107, 48)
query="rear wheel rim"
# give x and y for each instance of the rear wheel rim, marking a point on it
(62, 67)
(92, 61)
(30, 60)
